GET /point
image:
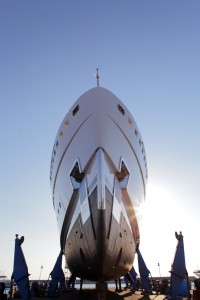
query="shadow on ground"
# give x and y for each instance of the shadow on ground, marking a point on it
(108, 295)
(90, 295)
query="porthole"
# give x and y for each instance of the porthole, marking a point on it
(122, 111)
(67, 123)
(76, 109)
(130, 121)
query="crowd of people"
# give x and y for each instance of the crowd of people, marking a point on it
(36, 290)
(40, 289)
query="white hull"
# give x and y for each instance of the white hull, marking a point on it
(98, 178)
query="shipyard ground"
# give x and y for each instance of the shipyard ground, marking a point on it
(92, 294)
(110, 295)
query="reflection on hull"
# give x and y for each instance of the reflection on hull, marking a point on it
(100, 249)
(97, 203)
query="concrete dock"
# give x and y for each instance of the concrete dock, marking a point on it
(92, 294)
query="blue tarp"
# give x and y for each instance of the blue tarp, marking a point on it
(20, 270)
(144, 273)
(133, 275)
(57, 275)
(184, 291)
(130, 278)
(178, 270)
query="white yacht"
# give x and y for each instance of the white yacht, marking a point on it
(98, 176)
(3, 278)
(197, 273)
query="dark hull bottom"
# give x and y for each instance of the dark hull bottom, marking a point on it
(100, 249)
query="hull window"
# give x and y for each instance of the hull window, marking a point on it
(122, 111)
(67, 123)
(76, 109)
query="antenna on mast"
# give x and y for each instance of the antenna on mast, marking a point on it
(97, 76)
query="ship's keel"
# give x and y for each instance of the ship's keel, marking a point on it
(99, 242)
(100, 249)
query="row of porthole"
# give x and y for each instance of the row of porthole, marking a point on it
(122, 111)
(58, 208)
(66, 124)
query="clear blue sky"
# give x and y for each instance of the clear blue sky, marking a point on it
(148, 53)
